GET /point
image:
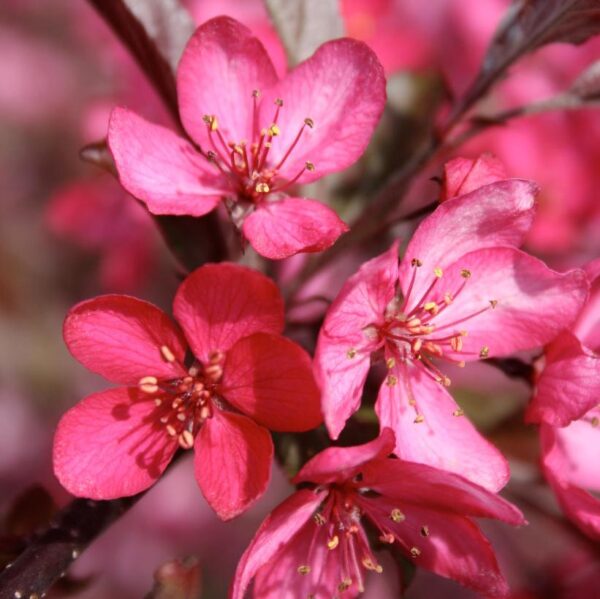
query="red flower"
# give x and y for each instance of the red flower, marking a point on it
(242, 378)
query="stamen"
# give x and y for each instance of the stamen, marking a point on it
(415, 552)
(351, 353)
(148, 384)
(425, 531)
(307, 123)
(397, 516)
(167, 354)
(484, 352)
(459, 412)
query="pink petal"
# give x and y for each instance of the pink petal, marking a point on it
(232, 462)
(534, 303)
(341, 88)
(464, 175)
(286, 227)
(342, 357)
(587, 327)
(497, 214)
(442, 439)
(221, 66)
(162, 169)
(110, 445)
(120, 338)
(218, 304)
(569, 385)
(454, 546)
(337, 464)
(424, 486)
(274, 533)
(270, 379)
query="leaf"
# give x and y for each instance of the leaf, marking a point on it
(304, 25)
(177, 579)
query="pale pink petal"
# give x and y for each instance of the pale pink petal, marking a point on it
(509, 302)
(221, 66)
(121, 338)
(442, 439)
(569, 384)
(111, 445)
(464, 175)
(497, 214)
(342, 357)
(453, 546)
(425, 486)
(341, 88)
(270, 379)
(286, 227)
(218, 304)
(274, 533)
(232, 462)
(162, 169)
(339, 463)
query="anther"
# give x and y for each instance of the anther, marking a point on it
(391, 380)
(431, 307)
(157, 402)
(171, 430)
(387, 537)
(186, 440)
(193, 371)
(351, 353)
(465, 273)
(309, 166)
(344, 585)
(484, 352)
(493, 303)
(211, 121)
(333, 542)
(415, 552)
(438, 272)
(416, 262)
(397, 516)
(304, 570)
(148, 384)
(309, 122)
(278, 102)
(425, 531)
(181, 417)
(459, 412)
(368, 563)
(274, 130)
(390, 363)
(319, 520)
(262, 187)
(595, 421)
(456, 343)
(256, 93)
(419, 419)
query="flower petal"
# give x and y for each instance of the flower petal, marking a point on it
(493, 215)
(218, 304)
(286, 227)
(339, 463)
(270, 379)
(274, 533)
(464, 175)
(232, 462)
(120, 338)
(569, 385)
(341, 88)
(510, 302)
(440, 438)
(342, 357)
(221, 66)
(162, 169)
(110, 445)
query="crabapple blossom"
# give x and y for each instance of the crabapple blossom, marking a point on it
(217, 384)
(462, 292)
(315, 543)
(254, 136)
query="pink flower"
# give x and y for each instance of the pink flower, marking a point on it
(462, 292)
(216, 385)
(254, 136)
(315, 545)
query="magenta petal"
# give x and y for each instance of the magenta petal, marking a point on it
(120, 338)
(464, 175)
(497, 214)
(342, 357)
(441, 439)
(341, 88)
(510, 302)
(218, 304)
(274, 533)
(232, 462)
(162, 169)
(270, 379)
(338, 463)
(286, 227)
(110, 445)
(569, 385)
(221, 66)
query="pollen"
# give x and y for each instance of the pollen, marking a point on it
(397, 516)
(484, 352)
(148, 384)
(351, 353)
(465, 273)
(186, 440)
(419, 419)
(333, 542)
(309, 122)
(438, 272)
(390, 363)
(309, 166)
(211, 121)
(274, 130)
(368, 563)
(262, 187)
(167, 354)
(493, 303)
(391, 380)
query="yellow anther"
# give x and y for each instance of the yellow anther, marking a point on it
(167, 354)
(274, 130)
(333, 542)
(413, 322)
(417, 345)
(465, 273)
(484, 352)
(431, 307)
(368, 563)
(419, 419)
(278, 102)
(309, 166)
(415, 552)
(262, 187)
(459, 412)
(211, 121)
(148, 384)
(186, 440)
(351, 353)
(427, 329)
(171, 430)
(456, 343)
(416, 262)
(344, 585)
(433, 348)
(309, 122)
(397, 516)
(390, 363)
(424, 531)
(391, 380)
(438, 272)
(304, 570)
(493, 303)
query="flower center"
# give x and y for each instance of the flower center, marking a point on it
(184, 404)
(247, 163)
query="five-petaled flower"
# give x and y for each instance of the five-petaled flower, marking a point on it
(217, 384)
(254, 136)
(462, 292)
(315, 543)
